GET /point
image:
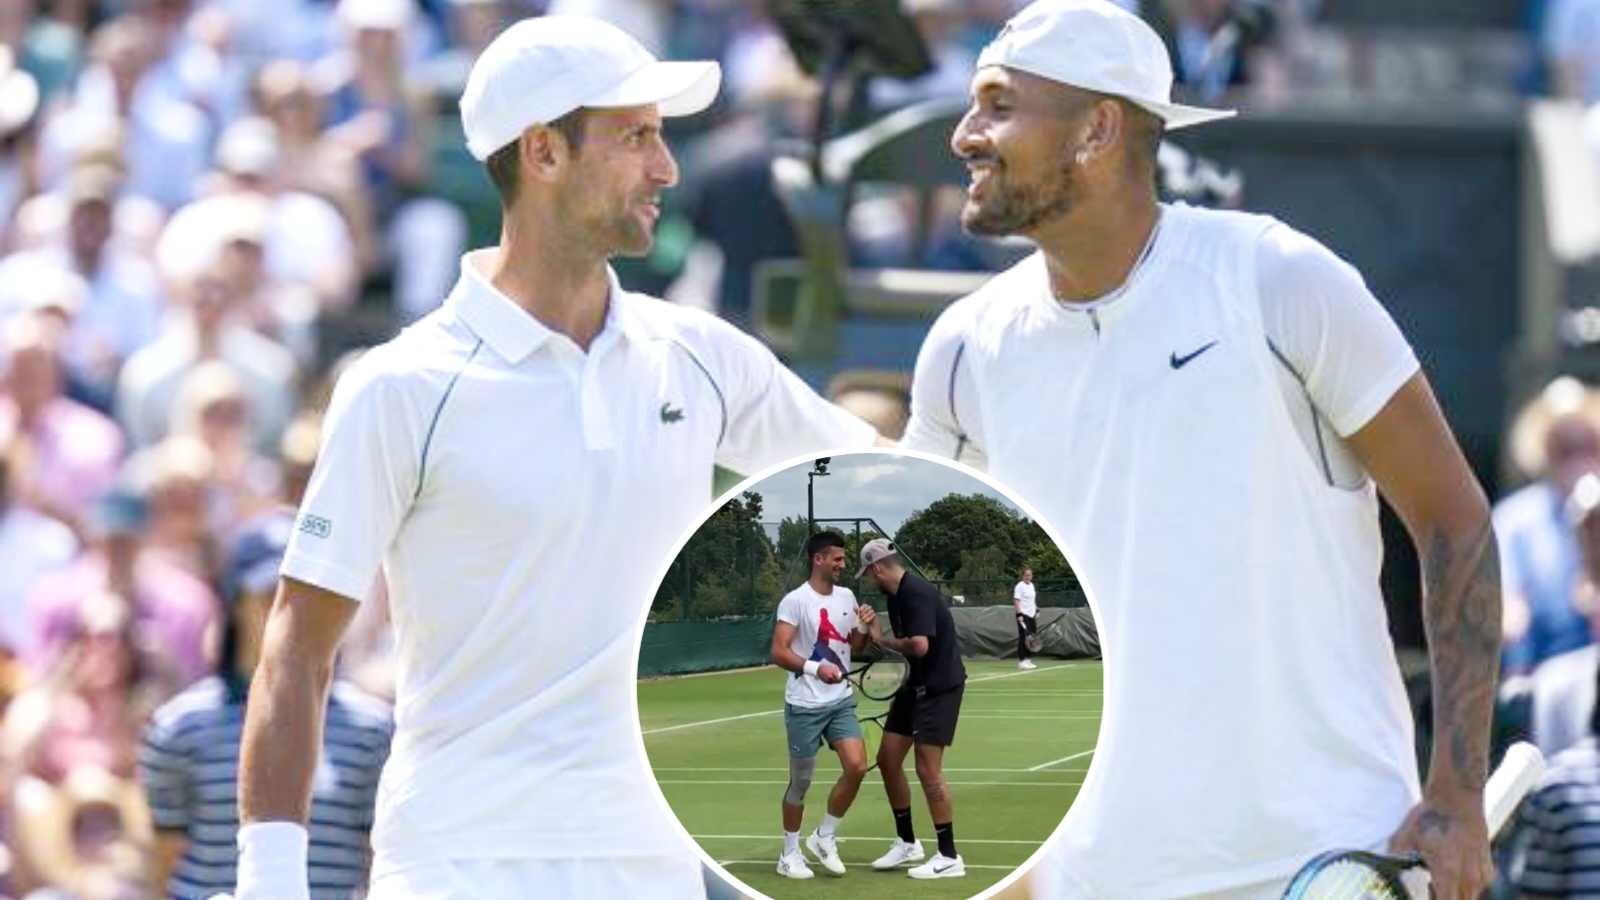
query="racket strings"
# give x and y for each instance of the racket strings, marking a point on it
(1351, 880)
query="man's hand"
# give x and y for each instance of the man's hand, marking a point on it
(829, 673)
(1449, 833)
(866, 615)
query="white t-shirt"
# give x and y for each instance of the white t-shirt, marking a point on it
(1233, 571)
(1024, 594)
(822, 625)
(521, 495)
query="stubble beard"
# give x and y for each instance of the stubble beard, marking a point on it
(1019, 209)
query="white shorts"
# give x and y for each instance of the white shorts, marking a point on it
(637, 878)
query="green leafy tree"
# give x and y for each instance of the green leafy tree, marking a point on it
(720, 570)
(937, 536)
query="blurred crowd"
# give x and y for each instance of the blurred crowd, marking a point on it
(206, 206)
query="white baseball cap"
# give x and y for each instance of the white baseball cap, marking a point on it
(540, 69)
(875, 551)
(1098, 46)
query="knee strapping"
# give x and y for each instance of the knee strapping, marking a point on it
(800, 772)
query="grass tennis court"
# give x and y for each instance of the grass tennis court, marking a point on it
(716, 742)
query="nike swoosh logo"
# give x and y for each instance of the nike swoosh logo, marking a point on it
(1179, 362)
(942, 869)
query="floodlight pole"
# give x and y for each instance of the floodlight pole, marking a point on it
(819, 469)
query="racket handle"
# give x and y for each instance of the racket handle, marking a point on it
(1518, 772)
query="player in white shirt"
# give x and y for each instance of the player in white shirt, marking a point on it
(1025, 600)
(815, 633)
(1202, 404)
(517, 463)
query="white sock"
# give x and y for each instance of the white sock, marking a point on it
(830, 822)
(791, 842)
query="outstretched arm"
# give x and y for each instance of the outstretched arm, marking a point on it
(1409, 451)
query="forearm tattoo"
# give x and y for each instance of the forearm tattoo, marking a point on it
(1461, 612)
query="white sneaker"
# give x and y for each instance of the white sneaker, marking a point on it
(940, 866)
(899, 854)
(826, 850)
(793, 865)
(1026, 664)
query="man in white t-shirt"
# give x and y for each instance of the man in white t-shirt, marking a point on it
(1202, 404)
(815, 633)
(1025, 601)
(494, 459)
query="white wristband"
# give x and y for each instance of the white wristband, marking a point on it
(811, 667)
(272, 862)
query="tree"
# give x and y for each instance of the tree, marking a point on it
(936, 537)
(726, 567)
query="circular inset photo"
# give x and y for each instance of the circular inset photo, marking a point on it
(865, 669)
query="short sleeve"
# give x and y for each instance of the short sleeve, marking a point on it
(921, 617)
(789, 609)
(362, 487)
(944, 397)
(1340, 341)
(1017, 593)
(773, 415)
(164, 770)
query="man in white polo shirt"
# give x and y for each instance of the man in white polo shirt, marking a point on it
(1025, 600)
(1201, 404)
(519, 462)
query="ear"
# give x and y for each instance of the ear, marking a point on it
(543, 153)
(1105, 126)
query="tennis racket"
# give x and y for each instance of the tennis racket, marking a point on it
(1359, 875)
(882, 676)
(1033, 642)
(872, 736)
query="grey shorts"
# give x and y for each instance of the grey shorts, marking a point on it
(809, 727)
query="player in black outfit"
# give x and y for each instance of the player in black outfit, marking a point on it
(923, 714)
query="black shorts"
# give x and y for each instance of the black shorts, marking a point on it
(928, 719)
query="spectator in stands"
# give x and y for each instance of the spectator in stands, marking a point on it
(472, 25)
(124, 305)
(172, 610)
(47, 49)
(31, 544)
(209, 326)
(190, 758)
(1572, 49)
(213, 409)
(19, 103)
(165, 139)
(1559, 821)
(1217, 45)
(380, 116)
(1563, 686)
(301, 164)
(67, 454)
(88, 707)
(1556, 438)
(174, 476)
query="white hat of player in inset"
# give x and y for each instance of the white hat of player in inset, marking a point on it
(875, 551)
(540, 69)
(1098, 46)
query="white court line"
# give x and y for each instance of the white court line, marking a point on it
(768, 862)
(765, 712)
(1027, 716)
(773, 712)
(1023, 784)
(842, 838)
(1061, 760)
(782, 769)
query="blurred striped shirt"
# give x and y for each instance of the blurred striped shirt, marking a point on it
(189, 765)
(1563, 822)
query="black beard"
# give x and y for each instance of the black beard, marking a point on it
(1020, 209)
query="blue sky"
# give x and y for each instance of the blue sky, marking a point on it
(882, 486)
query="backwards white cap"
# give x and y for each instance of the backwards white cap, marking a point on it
(540, 69)
(1098, 46)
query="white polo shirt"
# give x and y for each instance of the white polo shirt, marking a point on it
(520, 496)
(1254, 711)
(1025, 596)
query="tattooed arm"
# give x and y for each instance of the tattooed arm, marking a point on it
(1411, 454)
